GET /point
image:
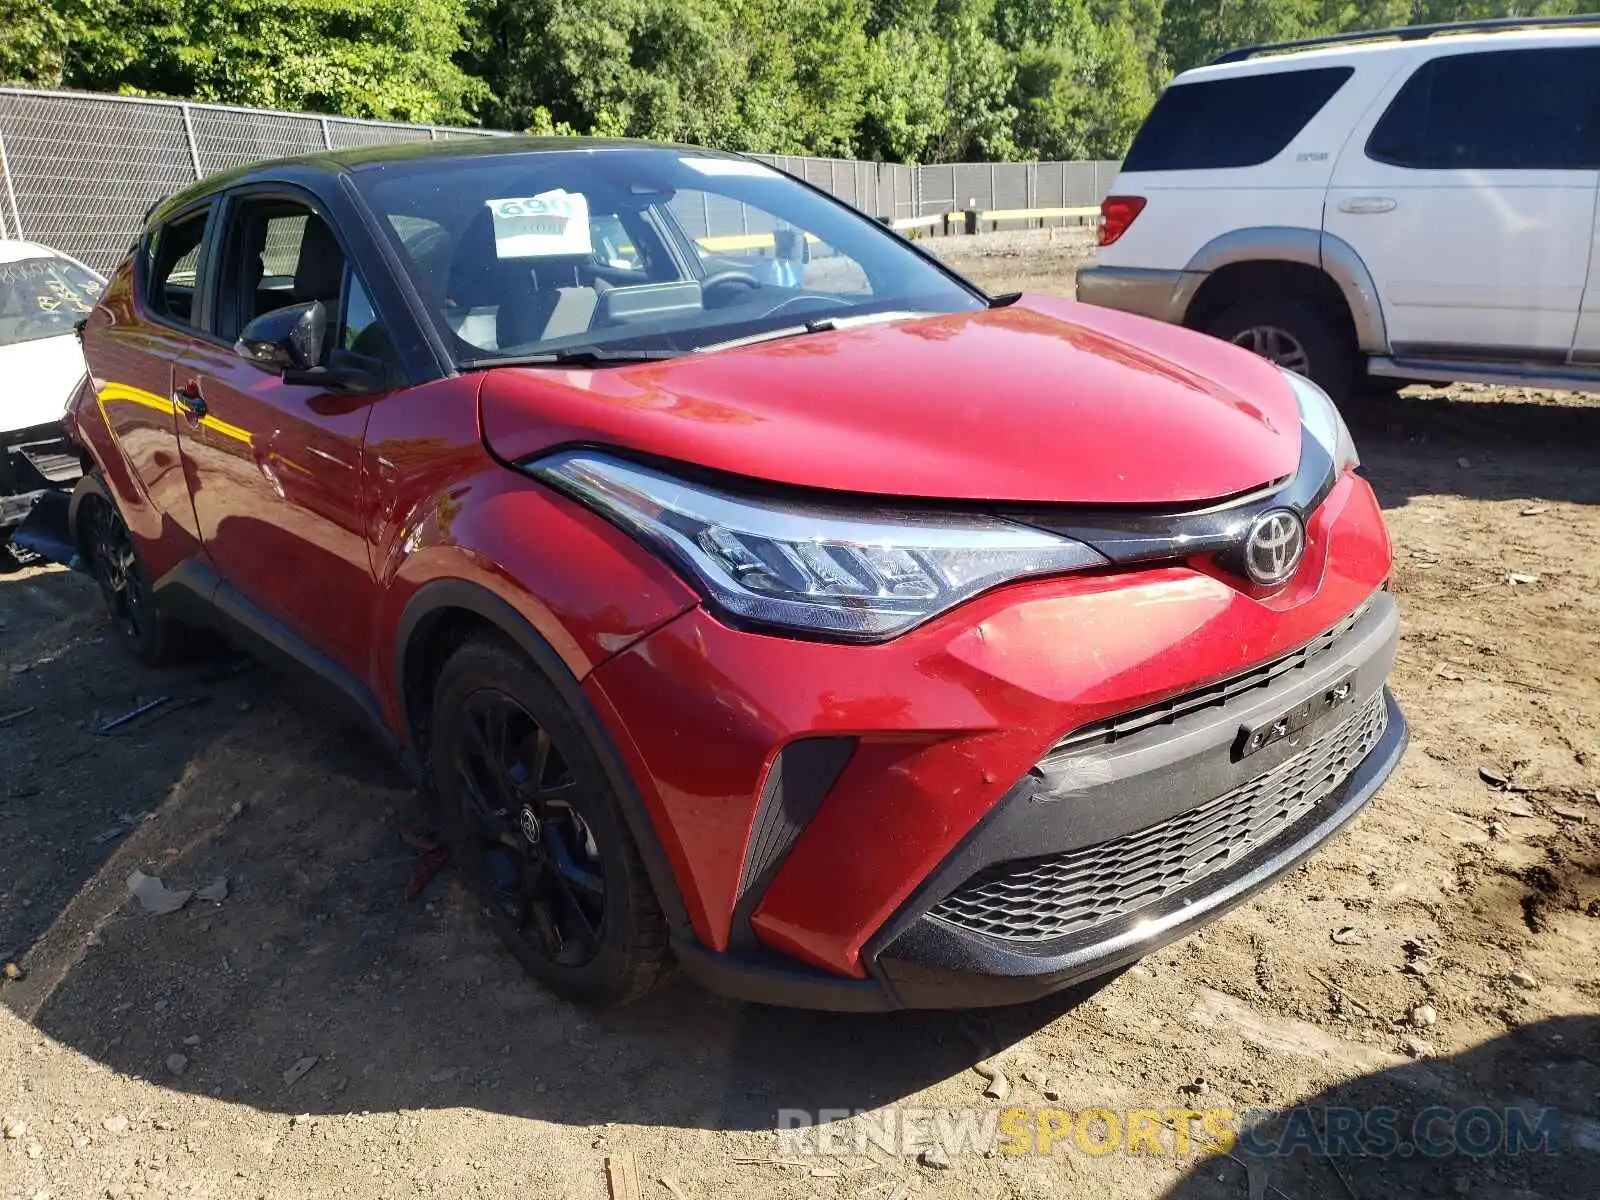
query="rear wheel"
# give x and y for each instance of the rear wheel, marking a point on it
(537, 832)
(124, 586)
(1292, 333)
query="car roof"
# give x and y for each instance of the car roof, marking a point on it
(1354, 53)
(360, 158)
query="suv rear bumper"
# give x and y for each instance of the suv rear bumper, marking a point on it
(1162, 295)
(32, 462)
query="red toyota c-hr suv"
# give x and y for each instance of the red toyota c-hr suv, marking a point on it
(753, 592)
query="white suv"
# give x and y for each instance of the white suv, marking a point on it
(1418, 204)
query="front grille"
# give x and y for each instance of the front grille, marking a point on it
(1036, 900)
(1216, 695)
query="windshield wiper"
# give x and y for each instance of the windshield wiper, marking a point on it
(820, 325)
(572, 356)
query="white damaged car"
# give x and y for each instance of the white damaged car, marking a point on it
(43, 296)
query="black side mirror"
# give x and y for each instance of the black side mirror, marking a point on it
(286, 339)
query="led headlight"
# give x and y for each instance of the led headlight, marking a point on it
(1320, 418)
(852, 574)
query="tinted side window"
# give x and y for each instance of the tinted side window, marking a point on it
(1503, 110)
(174, 271)
(1239, 122)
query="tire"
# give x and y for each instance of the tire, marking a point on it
(1320, 348)
(152, 638)
(534, 827)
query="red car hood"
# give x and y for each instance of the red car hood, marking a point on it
(1043, 401)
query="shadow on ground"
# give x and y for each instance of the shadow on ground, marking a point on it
(1458, 1126)
(1514, 449)
(315, 954)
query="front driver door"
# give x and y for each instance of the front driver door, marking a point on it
(275, 468)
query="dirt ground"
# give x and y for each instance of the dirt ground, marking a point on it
(336, 1040)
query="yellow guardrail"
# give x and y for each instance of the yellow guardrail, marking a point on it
(904, 223)
(744, 241)
(967, 219)
(1036, 214)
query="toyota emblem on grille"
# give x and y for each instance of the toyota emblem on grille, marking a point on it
(1273, 547)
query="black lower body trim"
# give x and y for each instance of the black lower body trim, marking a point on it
(929, 966)
(193, 593)
(798, 781)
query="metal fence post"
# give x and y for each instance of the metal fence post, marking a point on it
(327, 139)
(11, 191)
(194, 149)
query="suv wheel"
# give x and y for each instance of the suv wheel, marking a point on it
(1292, 334)
(537, 833)
(151, 638)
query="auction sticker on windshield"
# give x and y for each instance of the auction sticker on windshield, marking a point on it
(550, 223)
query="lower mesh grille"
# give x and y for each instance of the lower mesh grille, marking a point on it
(1035, 900)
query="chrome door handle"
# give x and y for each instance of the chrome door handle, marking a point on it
(1367, 204)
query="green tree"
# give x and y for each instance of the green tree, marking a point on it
(978, 78)
(368, 58)
(33, 42)
(904, 106)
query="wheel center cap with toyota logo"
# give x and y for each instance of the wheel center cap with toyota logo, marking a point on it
(1274, 546)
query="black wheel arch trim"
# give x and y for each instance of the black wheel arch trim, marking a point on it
(435, 600)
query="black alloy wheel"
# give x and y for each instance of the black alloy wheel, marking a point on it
(535, 853)
(536, 832)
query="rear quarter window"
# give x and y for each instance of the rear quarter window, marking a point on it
(1237, 122)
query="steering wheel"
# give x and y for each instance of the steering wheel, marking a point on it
(724, 278)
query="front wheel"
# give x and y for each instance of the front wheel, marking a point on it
(537, 832)
(1295, 335)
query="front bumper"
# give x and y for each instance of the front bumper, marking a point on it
(1161, 295)
(924, 966)
(816, 803)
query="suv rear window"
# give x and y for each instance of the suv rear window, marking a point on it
(1238, 122)
(1498, 110)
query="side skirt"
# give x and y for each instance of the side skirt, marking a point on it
(192, 592)
(1560, 377)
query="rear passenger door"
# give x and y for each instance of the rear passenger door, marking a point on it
(132, 357)
(1470, 196)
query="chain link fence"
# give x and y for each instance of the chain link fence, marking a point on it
(78, 171)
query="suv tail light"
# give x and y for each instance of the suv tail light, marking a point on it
(1116, 214)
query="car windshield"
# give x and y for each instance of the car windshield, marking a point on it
(646, 252)
(43, 298)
